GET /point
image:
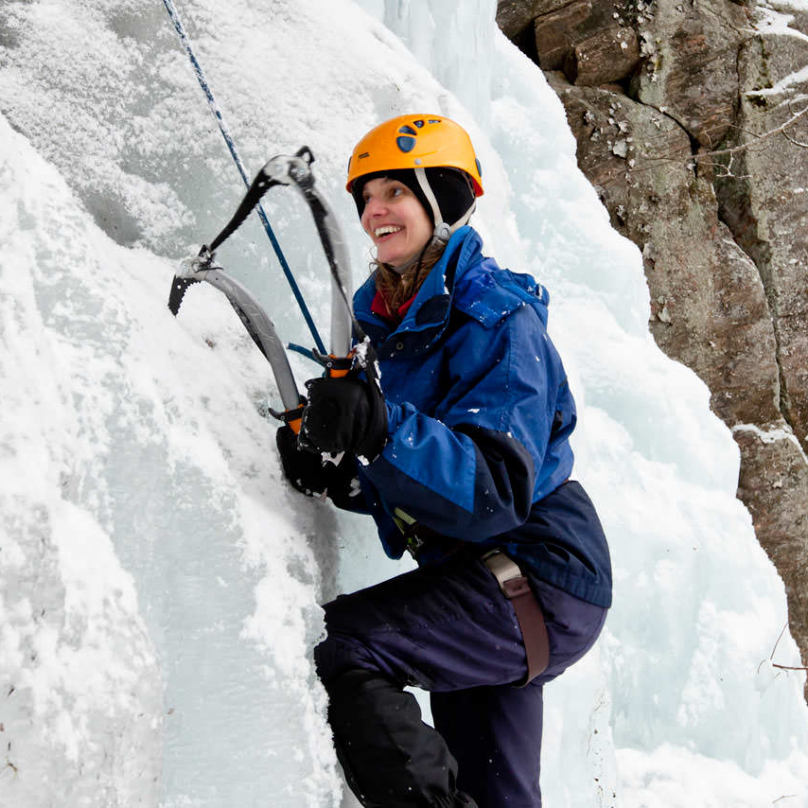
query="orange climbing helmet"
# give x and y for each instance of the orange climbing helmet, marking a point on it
(415, 141)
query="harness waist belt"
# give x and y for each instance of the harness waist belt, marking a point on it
(516, 587)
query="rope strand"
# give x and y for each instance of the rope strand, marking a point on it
(214, 108)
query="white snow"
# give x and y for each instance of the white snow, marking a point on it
(159, 581)
(794, 5)
(797, 77)
(771, 20)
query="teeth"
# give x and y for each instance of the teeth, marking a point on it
(383, 231)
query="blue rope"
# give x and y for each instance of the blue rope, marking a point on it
(293, 346)
(214, 108)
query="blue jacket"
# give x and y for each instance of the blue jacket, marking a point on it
(479, 417)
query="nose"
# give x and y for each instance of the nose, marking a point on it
(374, 207)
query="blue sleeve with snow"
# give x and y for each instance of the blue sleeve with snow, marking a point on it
(473, 468)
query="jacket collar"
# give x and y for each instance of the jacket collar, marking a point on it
(430, 309)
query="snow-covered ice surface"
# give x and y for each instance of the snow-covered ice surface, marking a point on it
(132, 449)
(159, 582)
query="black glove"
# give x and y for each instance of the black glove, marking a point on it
(313, 476)
(305, 471)
(344, 415)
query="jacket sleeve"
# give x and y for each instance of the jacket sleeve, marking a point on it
(469, 469)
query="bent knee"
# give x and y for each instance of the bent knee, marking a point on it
(338, 653)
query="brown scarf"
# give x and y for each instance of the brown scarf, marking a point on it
(398, 289)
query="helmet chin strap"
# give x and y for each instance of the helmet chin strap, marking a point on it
(443, 231)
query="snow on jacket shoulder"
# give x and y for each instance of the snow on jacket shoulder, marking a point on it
(478, 406)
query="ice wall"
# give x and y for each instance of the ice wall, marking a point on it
(158, 591)
(161, 478)
(79, 684)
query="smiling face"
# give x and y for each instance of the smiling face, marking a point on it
(395, 221)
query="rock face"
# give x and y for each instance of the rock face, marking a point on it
(774, 485)
(691, 68)
(709, 305)
(677, 109)
(768, 209)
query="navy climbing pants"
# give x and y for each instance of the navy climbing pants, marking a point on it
(448, 629)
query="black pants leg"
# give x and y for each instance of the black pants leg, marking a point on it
(447, 629)
(390, 757)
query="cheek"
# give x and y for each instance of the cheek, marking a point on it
(424, 226)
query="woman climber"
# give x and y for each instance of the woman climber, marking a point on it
(459, 450)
